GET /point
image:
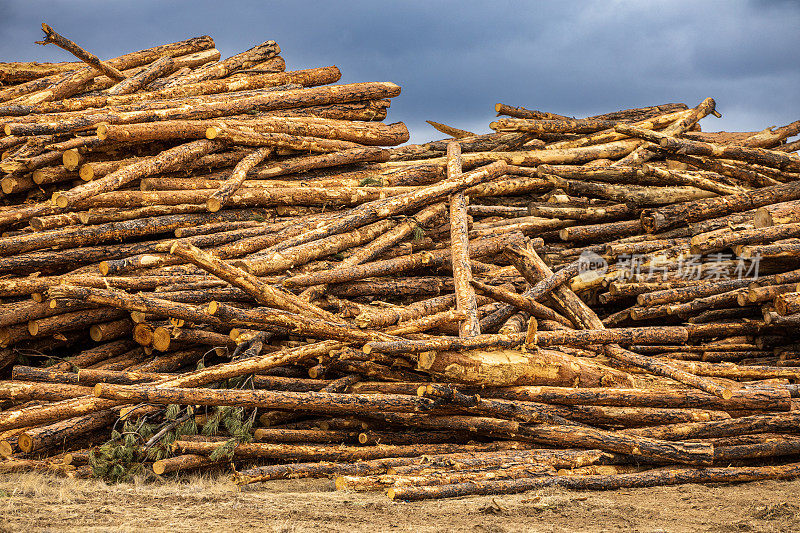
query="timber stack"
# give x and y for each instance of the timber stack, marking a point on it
(216, 263)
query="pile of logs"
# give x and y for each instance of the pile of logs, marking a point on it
(211, 262)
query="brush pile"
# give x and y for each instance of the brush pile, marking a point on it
(215, 262)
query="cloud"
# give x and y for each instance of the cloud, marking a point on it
(455, 60)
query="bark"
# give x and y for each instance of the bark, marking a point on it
(586, 337)
(156, 69)
(20, 391)
(380, 482)
(332, 159)
(61, 433)
(324, 469)
(167, 160)
(263, 293)
(18, 72)
(538, 126)
(513, 368)
(297, 453)
(522, 301)
(659, 219)
(182, 463)
(459, 249)
(761, 423)
(268, 101)
(741, 399)
(269, 263)
(72, 320)
(479, 247)
(634, 194)
(257, 54)
(652, 478)
(90, 59)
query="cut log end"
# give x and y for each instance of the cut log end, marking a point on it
(86, 173)
(762, 218)
(159, 468)
(8, 185)
(96, 333)
(213, 132)
(102, 132)
(727, 394)
(161, 339)
(60, 200)
(213, 205)
(71, 159)
(6, 449)
(143, 334)
(25, 443)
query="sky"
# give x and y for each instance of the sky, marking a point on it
(455, 59)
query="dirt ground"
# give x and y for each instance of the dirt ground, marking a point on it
(34, 502)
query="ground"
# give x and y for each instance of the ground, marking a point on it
(34, 502)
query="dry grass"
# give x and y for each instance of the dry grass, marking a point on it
(38, 502)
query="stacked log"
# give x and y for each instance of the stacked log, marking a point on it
(221, 262)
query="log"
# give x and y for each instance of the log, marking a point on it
(459, 249)
(90, 59)
(652, 478)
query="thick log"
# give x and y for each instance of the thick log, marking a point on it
(61, 433)
(182, 463)
(282, 260)
(741, 399)
(168, 160)
(374, 466)
(154, 70)
(459, 249)
(477, 248)
(651, 478)
(586, 337)
(380, 482)
(762, 423)
(511, 368)
(521, 301)
(263, 293)
(268, 101)
(776, 214)
(659, 219)
(257, 54)
(286, 452)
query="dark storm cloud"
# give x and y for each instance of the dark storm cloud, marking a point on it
(455, 60)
